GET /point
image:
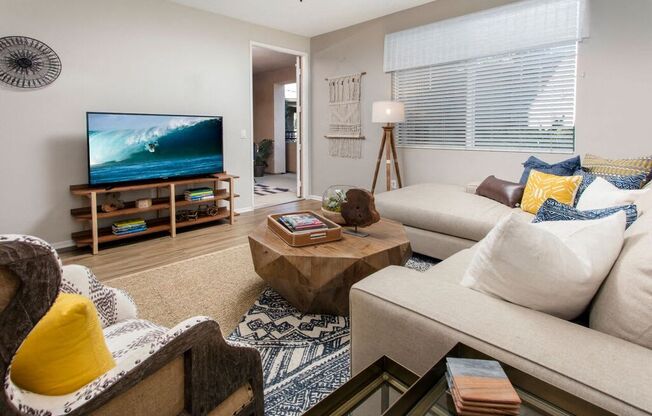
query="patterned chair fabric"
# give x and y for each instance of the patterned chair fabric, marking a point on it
(113, 305)
(131, 340)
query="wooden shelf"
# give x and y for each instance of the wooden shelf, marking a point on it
(93, 214)
(158, 204)
(129, 209)
(105, 234)
(220, 194)
(157, 225)
(223, 213)
(86, 189)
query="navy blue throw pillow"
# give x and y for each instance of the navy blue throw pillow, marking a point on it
(564, 168)
(619, 181)
(553, 210)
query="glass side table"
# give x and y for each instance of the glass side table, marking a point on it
(371, 392)
(389, 389)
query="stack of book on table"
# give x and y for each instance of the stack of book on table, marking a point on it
(129, 226)
(199, 194)
(301, 222)
(480, 387)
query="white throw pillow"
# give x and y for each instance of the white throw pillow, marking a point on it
(602, 194)
(554, 267)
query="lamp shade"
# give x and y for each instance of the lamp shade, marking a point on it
(388, 112)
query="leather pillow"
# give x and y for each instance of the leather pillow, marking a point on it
(505, 192)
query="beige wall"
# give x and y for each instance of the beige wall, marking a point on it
(148, 56)
(613, 90)
(263, 85)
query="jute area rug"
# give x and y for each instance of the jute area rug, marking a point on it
(222, 285)
(305, 357)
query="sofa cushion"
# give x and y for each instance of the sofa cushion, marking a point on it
(552, 267)
(563, 168)
(602, 194)
(619, 181)
(445, 209)
(541, 186)
(599, 165)
(505, 192)
(623, 305)
(452, 269)
(552, 210)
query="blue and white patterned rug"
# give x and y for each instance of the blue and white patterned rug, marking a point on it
(305, 356)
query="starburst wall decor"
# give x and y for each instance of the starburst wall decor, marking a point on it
(27, 62)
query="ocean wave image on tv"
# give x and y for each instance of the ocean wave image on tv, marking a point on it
(128, 147)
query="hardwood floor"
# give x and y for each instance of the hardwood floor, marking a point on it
(126, 258)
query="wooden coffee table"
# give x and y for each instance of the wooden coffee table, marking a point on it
(317, 279)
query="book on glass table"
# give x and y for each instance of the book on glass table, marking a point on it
(480, 387)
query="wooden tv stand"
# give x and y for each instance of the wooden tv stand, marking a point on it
(171, 202)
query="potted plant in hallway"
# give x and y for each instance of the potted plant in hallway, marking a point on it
(263, 151)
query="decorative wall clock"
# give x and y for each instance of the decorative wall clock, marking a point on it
(27, 62)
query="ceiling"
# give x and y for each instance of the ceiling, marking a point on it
(268, 60)
(307, 18)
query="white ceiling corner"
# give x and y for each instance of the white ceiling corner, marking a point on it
(306, 18)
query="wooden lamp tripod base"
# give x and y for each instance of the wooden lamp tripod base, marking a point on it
(387, 144)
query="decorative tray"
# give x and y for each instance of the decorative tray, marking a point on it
(308, 237)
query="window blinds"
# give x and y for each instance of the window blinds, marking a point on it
(522, 25)
(523, 100)
(503, 79)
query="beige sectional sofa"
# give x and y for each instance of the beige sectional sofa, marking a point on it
(416, 317)
(441, 220)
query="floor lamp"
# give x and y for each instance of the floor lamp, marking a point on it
(387, 112)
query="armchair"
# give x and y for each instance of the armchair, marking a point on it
(186, 370)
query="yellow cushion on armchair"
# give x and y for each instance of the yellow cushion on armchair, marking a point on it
(65, 351)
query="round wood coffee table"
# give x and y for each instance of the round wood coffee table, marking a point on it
(317, 279)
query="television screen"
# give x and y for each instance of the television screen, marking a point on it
(141, 147)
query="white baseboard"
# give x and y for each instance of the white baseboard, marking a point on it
(243, 210)
(63, 244)
(314, 197)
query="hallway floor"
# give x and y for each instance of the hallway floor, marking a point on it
(275, 189)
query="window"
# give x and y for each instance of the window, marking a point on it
(500, 79)
(516, 101)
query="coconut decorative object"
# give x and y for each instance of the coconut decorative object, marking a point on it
(359, 210)
(27, 63)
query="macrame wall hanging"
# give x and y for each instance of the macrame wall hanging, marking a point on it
(345, 127)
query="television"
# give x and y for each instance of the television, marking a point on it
(130, 148)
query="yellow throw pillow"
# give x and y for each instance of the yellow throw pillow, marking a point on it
(541, 186)
(65, 351)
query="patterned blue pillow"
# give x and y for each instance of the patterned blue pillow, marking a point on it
(564, 168)
(620, 182)
(552, 210)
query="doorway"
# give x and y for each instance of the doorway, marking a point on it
(277, 125)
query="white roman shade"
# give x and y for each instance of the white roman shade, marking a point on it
(518, 26)
(502, 79)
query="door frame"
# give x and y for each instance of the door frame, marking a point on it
(303, 146)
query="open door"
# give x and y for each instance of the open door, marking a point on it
(300, 172)
(278, 97)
